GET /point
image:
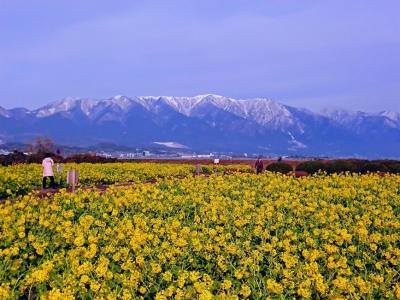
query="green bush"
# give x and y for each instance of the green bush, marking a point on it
(357, 164)
(311, 167)
(339, 166)
(374, 167)
(89, 158)
(15, 157)
(279, 168)
(392, 165)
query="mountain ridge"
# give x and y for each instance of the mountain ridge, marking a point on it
(207, 122)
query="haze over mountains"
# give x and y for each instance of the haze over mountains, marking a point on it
(207, 123)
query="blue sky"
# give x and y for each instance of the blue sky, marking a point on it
(315, 54)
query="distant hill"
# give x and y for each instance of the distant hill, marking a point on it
(207, 123)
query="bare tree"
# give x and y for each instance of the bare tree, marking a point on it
(41, 145)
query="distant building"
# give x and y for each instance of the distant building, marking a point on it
(146, 153)
(204, 156)
(127, 155)
(4, 152)
(183, 156)
(101, 154)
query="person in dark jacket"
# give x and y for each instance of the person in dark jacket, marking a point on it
(259, 166)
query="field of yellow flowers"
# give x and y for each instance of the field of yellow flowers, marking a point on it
(20, 179)
(219, 237)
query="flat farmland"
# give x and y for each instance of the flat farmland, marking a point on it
(221, 236)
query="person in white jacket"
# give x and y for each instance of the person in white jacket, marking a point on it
(47, 165)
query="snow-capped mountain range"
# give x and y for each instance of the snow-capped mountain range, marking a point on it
(209, 123)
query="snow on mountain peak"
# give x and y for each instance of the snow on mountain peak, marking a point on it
(183, 105)
(4, 112)
(394, 116)
(215, 96)
(343, 116)
(55, 107)
(87, 106)
(122, 101)
(261, 110)
(265, 111)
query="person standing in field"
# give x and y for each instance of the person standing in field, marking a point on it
(47, 165)
(259, 166)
